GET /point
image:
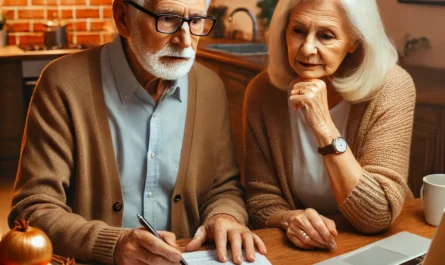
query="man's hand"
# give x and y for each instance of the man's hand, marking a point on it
(221, 227)
(139, 247)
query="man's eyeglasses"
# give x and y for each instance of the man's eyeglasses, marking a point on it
(169, 23)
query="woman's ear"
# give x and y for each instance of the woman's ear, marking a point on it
(121, 18)
(354, 46)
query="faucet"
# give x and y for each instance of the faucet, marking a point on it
(252, 17)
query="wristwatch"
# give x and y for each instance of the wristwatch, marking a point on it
(338, 146)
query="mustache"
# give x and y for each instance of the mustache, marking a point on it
(187, 53)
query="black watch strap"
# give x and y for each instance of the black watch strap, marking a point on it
(327, 150)
(338, 145)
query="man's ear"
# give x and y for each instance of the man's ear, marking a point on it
(354, 45)
(121, 18)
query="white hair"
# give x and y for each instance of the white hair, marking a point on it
(375, 55)
(141, 2)
(135, 14)
(145, 2)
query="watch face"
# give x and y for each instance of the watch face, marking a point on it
(340, 145)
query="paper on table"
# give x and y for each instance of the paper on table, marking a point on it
(210, 257)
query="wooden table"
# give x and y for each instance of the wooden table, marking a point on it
(282, 252)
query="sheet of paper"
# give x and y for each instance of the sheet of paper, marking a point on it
(210, 257)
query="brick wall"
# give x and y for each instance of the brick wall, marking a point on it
(89, 22)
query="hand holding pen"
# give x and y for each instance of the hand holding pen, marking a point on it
(150, 229)
(139, 246)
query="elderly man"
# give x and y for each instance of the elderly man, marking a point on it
(131, 127)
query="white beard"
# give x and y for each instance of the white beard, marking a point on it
(152, 63)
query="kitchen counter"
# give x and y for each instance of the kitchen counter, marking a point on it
(255, 63)
(13, 52)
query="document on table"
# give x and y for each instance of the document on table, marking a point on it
(210, 257)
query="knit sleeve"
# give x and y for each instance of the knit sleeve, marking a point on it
(378, 198)
(46, 171)
(226, 195)
(264, 195)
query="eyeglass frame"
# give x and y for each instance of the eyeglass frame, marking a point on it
(156, 16)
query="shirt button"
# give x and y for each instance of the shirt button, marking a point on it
(149, 194)
(177, 198)
(152, 155)
(126, 97)
(154, 115)
(117, 206)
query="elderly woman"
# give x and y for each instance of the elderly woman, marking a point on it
(327, 128)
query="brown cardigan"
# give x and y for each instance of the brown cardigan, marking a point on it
(68, 182)
(379, 135)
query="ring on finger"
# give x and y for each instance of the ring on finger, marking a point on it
(304, 234)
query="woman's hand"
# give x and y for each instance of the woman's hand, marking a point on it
(311, 96)
(308, 229)
(222, 228)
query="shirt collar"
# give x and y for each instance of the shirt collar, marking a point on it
(173, 88)
(126, 82)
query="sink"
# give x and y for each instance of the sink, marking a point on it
(244, 49)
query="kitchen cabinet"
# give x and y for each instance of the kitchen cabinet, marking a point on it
(428, 141)
(11, 116)
(428, 144)
(17, 69)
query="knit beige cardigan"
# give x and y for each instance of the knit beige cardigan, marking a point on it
(379, 135)
(68, 183)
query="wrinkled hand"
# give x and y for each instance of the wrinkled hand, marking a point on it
(308, 229)
(138, 247)
(221, 227)
(311, 96)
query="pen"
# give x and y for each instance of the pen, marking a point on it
(150, 229)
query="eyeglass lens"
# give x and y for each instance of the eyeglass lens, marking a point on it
(198, 26)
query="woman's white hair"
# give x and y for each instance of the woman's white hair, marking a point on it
(375, 55)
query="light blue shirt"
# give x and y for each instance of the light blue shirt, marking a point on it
(147, 138)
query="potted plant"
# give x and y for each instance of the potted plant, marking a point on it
(412, 46)
(265, 16)
(219, 12)
(3, 33)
